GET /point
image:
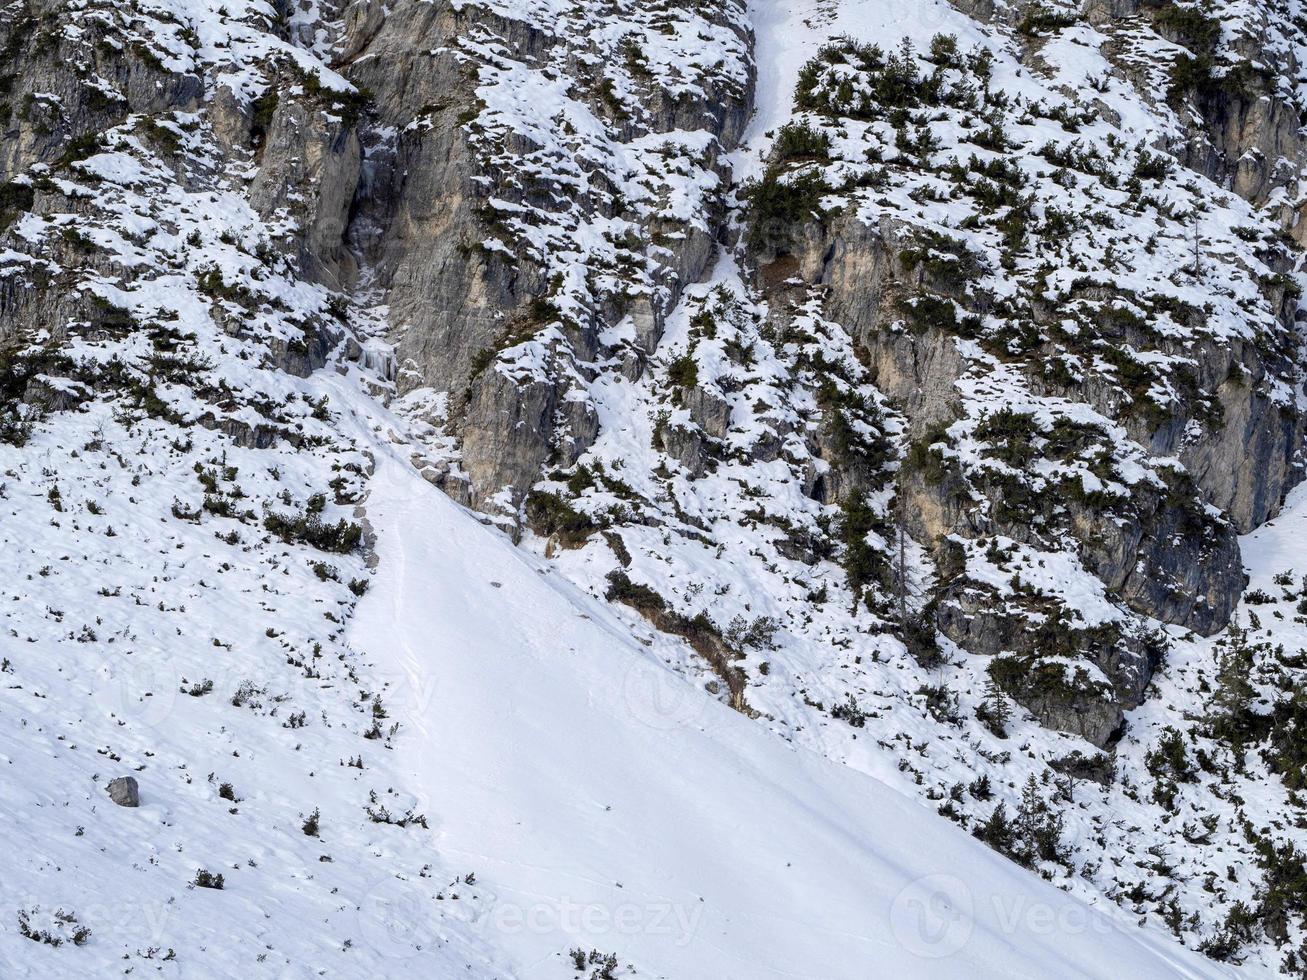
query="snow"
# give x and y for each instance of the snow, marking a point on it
(789, 32)
(581, 781)
(606, 803)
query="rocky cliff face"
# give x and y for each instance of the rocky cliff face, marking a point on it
(1072, 371)
(926, 373)
(523, 166)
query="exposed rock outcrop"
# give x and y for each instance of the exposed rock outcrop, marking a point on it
(125, 791)
(479, 227)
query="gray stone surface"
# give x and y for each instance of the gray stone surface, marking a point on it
(124, 791)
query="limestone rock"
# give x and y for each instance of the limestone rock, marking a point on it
(124, 791)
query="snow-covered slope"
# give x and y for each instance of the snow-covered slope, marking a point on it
(552, 787)
(600, 804)
(864, 415)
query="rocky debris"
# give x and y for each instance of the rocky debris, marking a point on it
(1094, 768)
(124, 791)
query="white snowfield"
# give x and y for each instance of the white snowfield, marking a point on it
(606, 803)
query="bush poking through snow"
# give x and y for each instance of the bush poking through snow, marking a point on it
(309, 528)
(63, 927)
(1169, 766)
(758, 634)
(851, 712)
(780, 204)
(549, 515)
(798, 141)
(206, 879)
(1033, 836)
(605, 964)
(378, 812)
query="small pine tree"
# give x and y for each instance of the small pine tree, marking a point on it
(1287, 751)
(995, 712)
(997, 831)
(1169, 766)
(1230, 715)
(1038, 829)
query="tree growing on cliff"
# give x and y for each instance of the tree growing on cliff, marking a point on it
(994, 711)
(1230, 717)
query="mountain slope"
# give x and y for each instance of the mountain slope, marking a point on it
(867, 418)
(543, 738)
